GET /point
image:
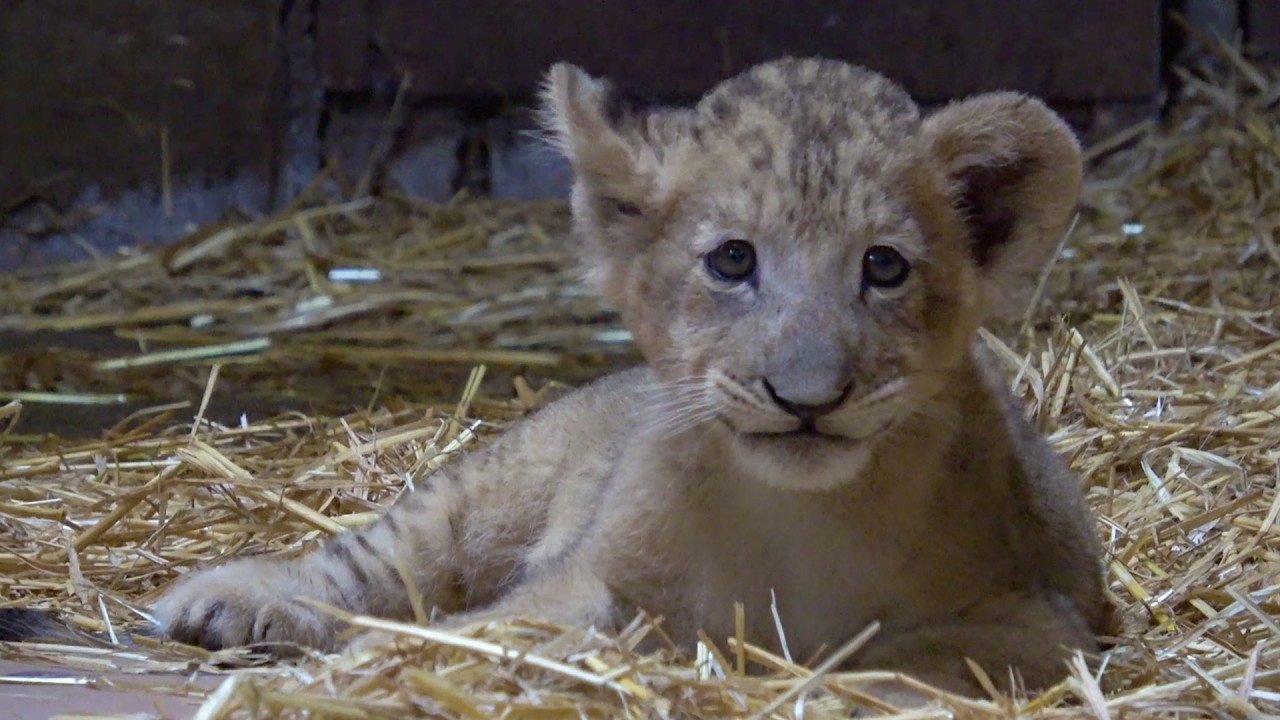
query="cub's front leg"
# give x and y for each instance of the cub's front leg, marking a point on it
(498, 515)
(253, 601)
(1030, 637)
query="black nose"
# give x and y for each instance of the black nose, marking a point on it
(807, 411)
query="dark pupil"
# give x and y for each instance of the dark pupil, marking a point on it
(885, 267)
(734, 260)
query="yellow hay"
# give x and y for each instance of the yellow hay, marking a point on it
(1152, 360)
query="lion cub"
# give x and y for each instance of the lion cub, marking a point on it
(804, 262)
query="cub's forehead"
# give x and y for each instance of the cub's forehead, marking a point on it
(814, 101)
(823, 139)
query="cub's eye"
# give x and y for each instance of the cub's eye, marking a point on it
(733, 261)
(884, 267)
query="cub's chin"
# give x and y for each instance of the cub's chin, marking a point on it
(800, 460)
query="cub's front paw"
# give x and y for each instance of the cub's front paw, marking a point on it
(246, 603)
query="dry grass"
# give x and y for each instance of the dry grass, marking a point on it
(1152, 358)
(316, 309)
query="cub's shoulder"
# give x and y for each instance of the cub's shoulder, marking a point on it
(604, 406)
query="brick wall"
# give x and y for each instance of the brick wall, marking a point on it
(254, 96)
(100, 102)
(1263, 18)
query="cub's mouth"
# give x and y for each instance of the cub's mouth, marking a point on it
(808, 426)
(806, 435)
(806, 432)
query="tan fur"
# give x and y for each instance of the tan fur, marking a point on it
(927, 504)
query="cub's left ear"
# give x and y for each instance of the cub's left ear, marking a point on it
(1014, 170)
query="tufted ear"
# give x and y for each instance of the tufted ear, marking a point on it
(616, 146)
(582, 116)
(617, 150)
(1014, 171)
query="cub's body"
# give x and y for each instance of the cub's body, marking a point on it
(804, 263)
(897, 547)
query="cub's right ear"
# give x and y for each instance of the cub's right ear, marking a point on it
(575, 114)
(616, 149)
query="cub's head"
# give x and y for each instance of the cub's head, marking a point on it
(801, 257)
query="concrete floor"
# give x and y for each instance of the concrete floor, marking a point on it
(33, 691)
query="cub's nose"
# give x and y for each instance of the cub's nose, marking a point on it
(808, 410)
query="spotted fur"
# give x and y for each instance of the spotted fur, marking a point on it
(918, 497)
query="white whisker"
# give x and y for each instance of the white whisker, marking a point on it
(677, 406)
(679, 415)
(665, 388)
(689, 422)
(937, 412)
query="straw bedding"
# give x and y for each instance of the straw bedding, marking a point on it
(1151, 356)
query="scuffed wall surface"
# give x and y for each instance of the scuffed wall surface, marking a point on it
(256, 97)
(100, 101)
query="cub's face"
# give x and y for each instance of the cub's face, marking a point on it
(800, 257)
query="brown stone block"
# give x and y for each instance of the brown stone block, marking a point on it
(1063, 49)
(1263, 17)
(86, 89)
